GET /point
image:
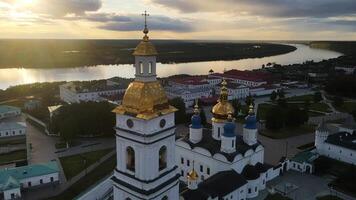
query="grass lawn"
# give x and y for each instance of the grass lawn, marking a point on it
(301, 98)
(325, 165)
(347, 107)
(73, 165)
(315, 114)
(288, 132)
(276, 196)
(322, 107)
(328, 197)
(89, 180)
(13, 156)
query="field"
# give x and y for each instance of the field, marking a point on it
(19, 155)
(73, 165)
(79, 53)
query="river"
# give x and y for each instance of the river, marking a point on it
(16, 76)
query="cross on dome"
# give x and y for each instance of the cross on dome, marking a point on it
(145, 14)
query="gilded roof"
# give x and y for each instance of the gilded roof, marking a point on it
(193, 175)
(145, 48)
(223, 108)
(145, 100)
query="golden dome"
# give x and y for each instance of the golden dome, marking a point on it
(223, 108)
(145, 100)
(145, 48)
(193, 175)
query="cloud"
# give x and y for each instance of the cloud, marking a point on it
(135, 23)
(58, 8)
(270, 8)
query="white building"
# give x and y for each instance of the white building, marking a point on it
(14, 180)
(188, 95)
(263, 90)
(11, 129)
(339, 146)
(76, 92)
(248, 78)
(235, 91)
(9, 111)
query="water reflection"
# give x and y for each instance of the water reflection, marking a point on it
(15, 76)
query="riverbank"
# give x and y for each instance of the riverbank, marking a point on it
(50, 54)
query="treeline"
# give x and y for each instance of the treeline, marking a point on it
(78, 53)
(84, 119)
(345, 47)
(343, 85)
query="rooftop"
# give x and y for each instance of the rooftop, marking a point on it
(12, 125)
(218, 185)
(343, 139)
(213, 146)
(305, 156)
(10, 176)
(5, 108)
(93, 86)
(244, 75)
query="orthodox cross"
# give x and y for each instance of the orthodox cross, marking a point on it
(145, 14)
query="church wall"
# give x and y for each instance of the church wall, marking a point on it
(252, 188)
(210, 166)
(35, 181)
(145, 127)
(98, 191)
(16, 192)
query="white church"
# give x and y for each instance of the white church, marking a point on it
(152, 163)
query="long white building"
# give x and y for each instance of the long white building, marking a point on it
(14, 180)
(75, 92)
(11, 129)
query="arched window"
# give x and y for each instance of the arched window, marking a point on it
(130, 159)
(165, 198)
(150, 67)
(141, 68)
(162, 158)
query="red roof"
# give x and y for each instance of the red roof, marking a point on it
(191, 80)
(245, 75)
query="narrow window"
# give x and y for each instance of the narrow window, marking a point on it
(232, 144)
(182, 160)
(163, 158)
(201, 168)
(208, 171)
(141, 68)
(130, 159)
(188, 163)
(150, 67)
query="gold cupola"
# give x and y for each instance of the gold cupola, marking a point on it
(145, 47)
(145, 98)
(223, 108)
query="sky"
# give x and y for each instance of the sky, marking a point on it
(180, 19)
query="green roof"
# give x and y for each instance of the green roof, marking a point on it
(9, 176)
(5, 108)
(305, 156)
(11, 183)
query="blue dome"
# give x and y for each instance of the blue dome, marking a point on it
(229, 129)
(196, 121)
(251, 122)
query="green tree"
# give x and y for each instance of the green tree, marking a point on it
(249, 100)
(275, 118)
(338, 101)
(237, 106)
(306, 104)
(317, 97)
(68, 130)
(296, 116)
(180, 115)
(281, 94)
(203, 117)
(273, 96)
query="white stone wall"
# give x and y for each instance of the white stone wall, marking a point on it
(15, 192)
(12, 132)
(338, 153)
(98, 191)
(36, 181)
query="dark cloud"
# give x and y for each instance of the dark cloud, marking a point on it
(135, 23)
(270, 8)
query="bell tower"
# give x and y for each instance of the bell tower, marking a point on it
(145, 134)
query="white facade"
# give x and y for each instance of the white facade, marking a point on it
(339, 146)
(188, 95)
(238, 92)
(11, 129)
(262, 91)
(71, 94)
